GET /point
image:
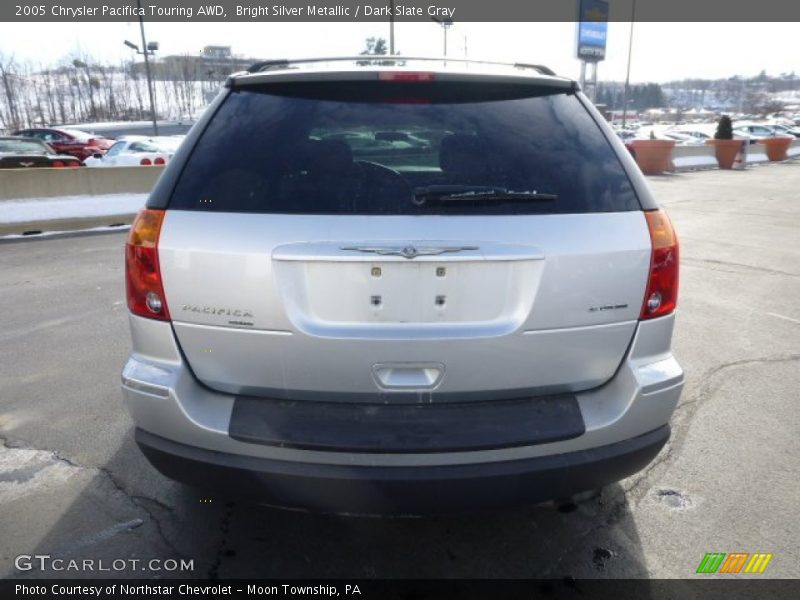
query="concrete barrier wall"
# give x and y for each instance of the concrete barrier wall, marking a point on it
(693, 157)
(48, 183)
(83, 181)
(688, 158)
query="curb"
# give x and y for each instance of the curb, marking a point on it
(31, 227)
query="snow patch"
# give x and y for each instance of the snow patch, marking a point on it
(693, 162)
(69, 207)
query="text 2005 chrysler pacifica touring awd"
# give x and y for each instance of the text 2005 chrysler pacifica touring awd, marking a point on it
(401, 288)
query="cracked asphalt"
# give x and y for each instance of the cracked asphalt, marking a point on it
(73, 484)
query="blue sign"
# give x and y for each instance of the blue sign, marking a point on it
(592, 29)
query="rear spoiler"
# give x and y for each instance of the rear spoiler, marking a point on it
(366, 67)
(286, 63)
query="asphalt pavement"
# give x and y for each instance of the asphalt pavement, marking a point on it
(73, 485)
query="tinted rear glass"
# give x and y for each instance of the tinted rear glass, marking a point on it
(398, 149)
(13, 146)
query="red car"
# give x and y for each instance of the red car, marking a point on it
(69, 141)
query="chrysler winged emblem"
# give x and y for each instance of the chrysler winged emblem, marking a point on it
(408, 251)
(26, 164)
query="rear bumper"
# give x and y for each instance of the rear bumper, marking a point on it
(402, 490)
(198, 435)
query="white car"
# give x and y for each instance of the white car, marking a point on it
(662, 132)
(137, 150)
(758, 130)
(700, 132)
(785, 130)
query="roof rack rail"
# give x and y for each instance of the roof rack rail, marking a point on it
(541, 68)
(264, 65)
(386, 59)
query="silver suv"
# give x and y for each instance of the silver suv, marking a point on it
(401, 286)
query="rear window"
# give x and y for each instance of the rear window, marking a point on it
(12, 146)
(402, 149)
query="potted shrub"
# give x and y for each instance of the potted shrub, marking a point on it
(653, 156)
(725, 147)
(776, 146)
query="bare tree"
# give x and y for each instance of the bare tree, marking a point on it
(137, 89)
(85, 79)
(9, 112)
(761, 104)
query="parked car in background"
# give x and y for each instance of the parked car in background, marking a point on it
(756, 130)
(684, 139)
(700, 132)
(785, 130)
(380, 141)
(137, 150)
(74, 142)
(626, 135)
(665, 132)
(24, 153)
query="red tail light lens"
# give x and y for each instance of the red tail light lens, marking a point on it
(661, 296)
(73, 164)
(159, 161)
(142, 273)
(405, 76)
(57, 164)
(145, 162)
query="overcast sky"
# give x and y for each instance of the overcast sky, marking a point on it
(661, 51)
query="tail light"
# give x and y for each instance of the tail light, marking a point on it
(145, 162)
(661, 296)
(57, 164)
(91, 142)
(405, 76)
(159, 161)
(73, 164)
(142, 274)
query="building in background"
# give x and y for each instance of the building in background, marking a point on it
(213, 63)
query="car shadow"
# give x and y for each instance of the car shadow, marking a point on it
(128, 510)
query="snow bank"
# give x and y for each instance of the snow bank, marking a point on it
(69, 207)
(63, 232)
(694, 162)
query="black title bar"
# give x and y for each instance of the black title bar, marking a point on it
(399, 10)
(704, 587)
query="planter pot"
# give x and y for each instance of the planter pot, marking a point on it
(776, 147)
(653, 156)
(725, 151)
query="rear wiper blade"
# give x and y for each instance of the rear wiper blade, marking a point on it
(458, 193)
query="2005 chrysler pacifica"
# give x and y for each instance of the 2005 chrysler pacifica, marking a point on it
(401, 287)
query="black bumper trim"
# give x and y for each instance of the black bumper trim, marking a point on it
(402, 490)
(410, 429)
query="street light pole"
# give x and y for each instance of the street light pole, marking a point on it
(145, 51)
(445, 24)
(628, 74)
(391, 28)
